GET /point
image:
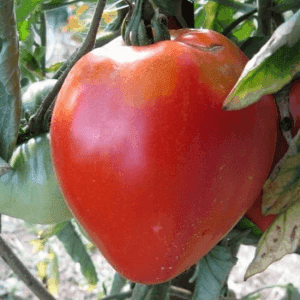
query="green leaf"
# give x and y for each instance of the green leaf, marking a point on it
(244, 223)
(52, 230)
(159, 291)
(218, 16)
(4, 167)
(35, 94)
(24, 30)
(53, 272)
(270, 69)
(292, 293)
(213, 270)
(77, 250)
(118, 284)
(140, 291)
(200, 15)
(282, 237)
(237, 5)
(25, 8)
(55, 67)
(10, 94)
(253, 45)
(281, 6)
(29, 190)
(242, 32)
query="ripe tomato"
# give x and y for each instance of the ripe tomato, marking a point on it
(149, 163)
(255, 215)
(295, 102)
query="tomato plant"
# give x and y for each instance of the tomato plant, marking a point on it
(149, 163)
(29, 190)
(35, 94)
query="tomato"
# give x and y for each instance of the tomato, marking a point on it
(295, 102)
(254, 214)
(29, 190)
(149, 163)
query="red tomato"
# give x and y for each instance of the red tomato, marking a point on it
(254, 214)
(149, 163)
(295, 102)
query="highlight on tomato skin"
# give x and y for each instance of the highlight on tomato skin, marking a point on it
(148, 162)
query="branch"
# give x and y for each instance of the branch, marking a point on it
(36, 121)
(239, 20)
(22, 272)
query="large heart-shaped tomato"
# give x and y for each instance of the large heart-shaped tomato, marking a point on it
(149, 163)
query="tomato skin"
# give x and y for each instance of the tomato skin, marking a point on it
(254, 214)
(295, 102)
(149, 163)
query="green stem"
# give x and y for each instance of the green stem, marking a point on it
(49, 6)
(43, 36)
(264, 17)
(261, 289)
(239, 20)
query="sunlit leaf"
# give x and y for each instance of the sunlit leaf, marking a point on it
(281, 238)
(270, 69)
(42, 267)
(38, 245)
(53, 273)
(284, 191)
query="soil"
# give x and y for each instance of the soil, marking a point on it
(73, 286)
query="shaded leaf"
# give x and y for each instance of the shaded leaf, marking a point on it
(253, 45)
(10, 94)
(4, 167)
(270, 69)
(159, 291)
(213, 270)
(292, 293)
(239, 6)
(281, 6)
(77, 250)
(281, 238)
(140, 291)
(118, 283)
(284, 191)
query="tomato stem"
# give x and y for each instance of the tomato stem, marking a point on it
(144, 25)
